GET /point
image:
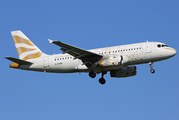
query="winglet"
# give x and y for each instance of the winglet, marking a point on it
(50, 41)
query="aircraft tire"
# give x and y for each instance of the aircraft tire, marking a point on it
(102, 81)
(152, 71)
(92, 74)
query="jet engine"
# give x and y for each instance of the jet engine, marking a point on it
(124, 72)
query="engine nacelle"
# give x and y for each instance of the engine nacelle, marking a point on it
(124, 72)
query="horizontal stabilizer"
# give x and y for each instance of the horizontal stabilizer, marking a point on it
(21, 62)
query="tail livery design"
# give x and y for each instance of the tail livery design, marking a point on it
(25, 48)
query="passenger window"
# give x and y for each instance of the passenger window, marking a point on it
(132, 49)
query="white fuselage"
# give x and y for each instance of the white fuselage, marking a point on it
(132, 54)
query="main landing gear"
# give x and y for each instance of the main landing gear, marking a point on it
(102, 80)
(151, 67)
(92, 74)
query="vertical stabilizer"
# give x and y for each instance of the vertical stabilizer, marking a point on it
(25, 48)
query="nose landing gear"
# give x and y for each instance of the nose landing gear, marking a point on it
(152, 71)
(151, 66)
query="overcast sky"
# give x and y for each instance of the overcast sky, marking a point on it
(88, 24)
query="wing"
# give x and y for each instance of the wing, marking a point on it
(86, 56)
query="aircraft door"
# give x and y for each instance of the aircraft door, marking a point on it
(148, 47)
(46, 62)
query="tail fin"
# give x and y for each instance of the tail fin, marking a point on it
(25, 48)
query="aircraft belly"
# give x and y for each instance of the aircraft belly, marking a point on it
(100, 69)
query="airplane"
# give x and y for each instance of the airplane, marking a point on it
(119, 60)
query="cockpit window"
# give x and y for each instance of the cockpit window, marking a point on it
(162, 45)
(159, 45)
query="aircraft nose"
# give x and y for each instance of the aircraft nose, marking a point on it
(170, 52)
(173, 52)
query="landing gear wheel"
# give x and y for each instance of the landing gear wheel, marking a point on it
(92, 74)
(152, 71)
(151, 66)
(102, 81)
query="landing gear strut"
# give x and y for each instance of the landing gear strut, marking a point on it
(92, 74)
(151, 67)
(102, 80)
